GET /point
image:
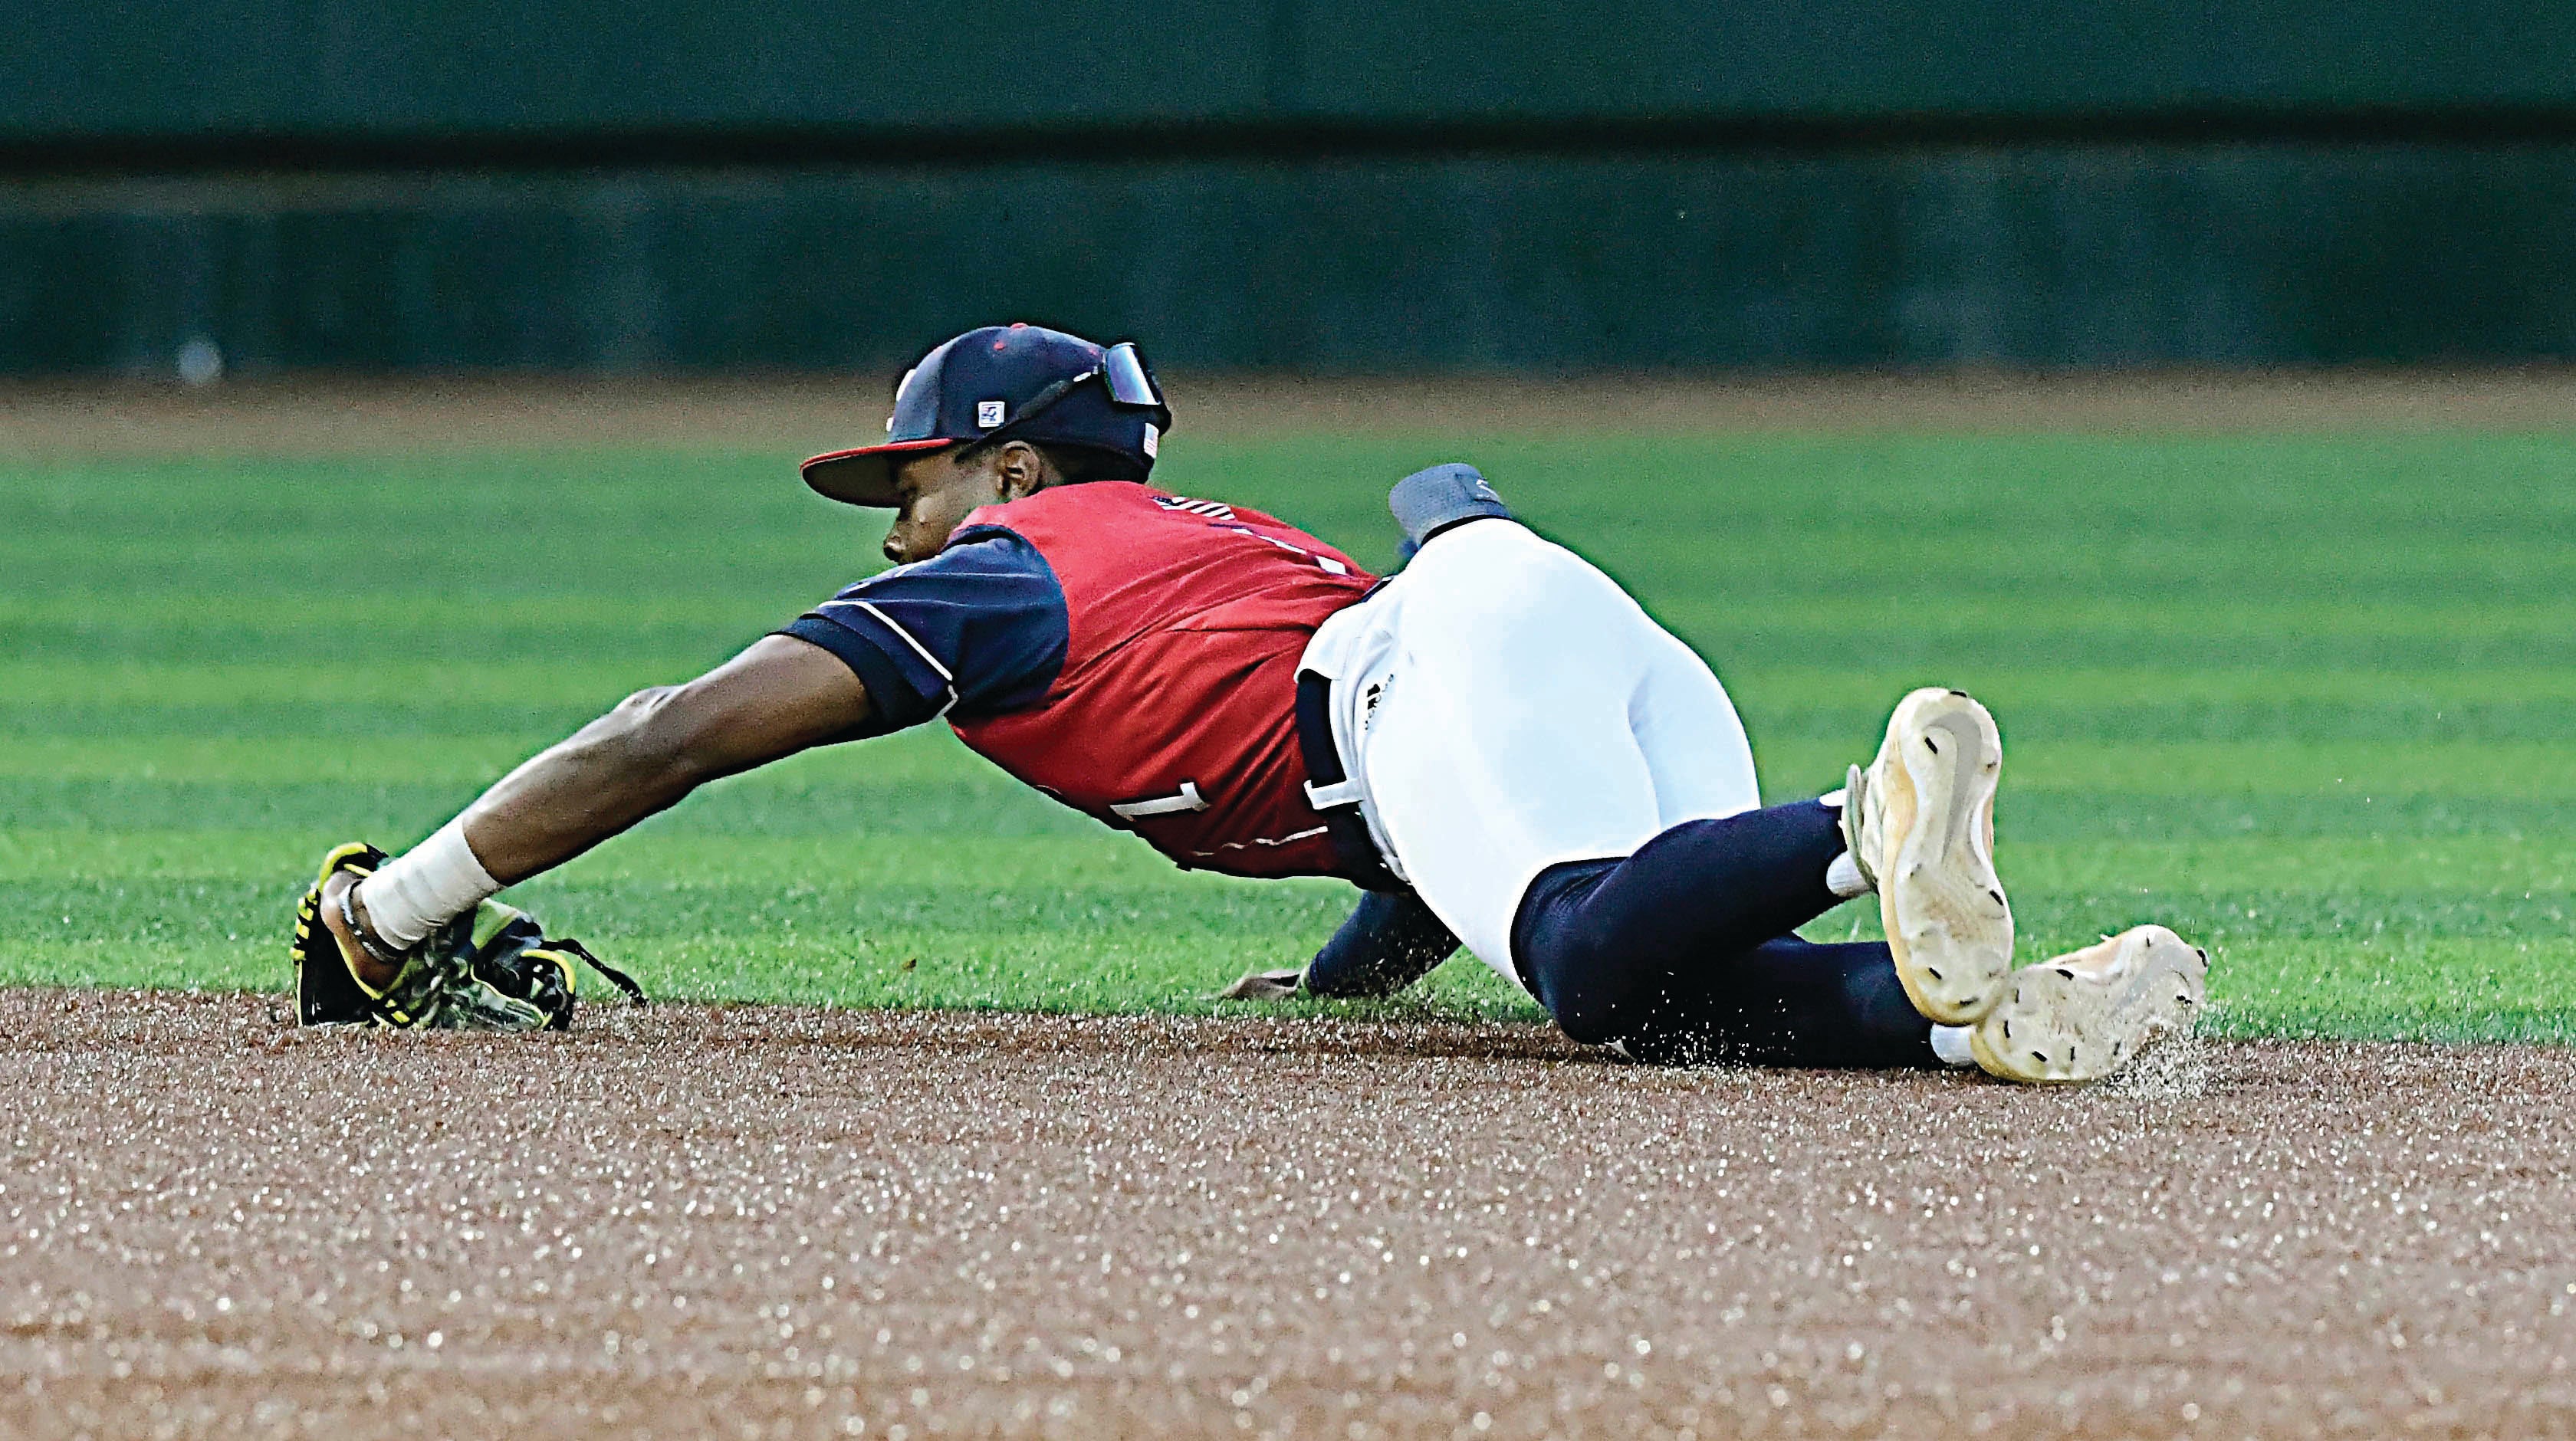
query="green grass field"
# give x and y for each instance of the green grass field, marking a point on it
(2311, 701)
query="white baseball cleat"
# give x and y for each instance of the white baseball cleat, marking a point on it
(2087, 1014)
(1920, 823)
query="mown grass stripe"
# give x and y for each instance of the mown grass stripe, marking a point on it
(2310, 699)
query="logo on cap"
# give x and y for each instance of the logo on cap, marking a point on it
(988, 413)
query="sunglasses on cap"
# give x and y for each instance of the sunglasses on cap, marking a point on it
(1121, 371)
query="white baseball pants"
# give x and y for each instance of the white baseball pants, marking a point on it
(1507, 707)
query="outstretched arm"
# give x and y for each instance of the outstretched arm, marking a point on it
(779, 697)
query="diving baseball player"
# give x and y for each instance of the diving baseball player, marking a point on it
(1497, 745)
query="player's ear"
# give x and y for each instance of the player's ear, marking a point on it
(1021, 468)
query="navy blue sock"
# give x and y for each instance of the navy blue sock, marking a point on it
(1682, 951)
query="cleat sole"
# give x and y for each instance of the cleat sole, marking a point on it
(1948, 925)
(2089, 1015)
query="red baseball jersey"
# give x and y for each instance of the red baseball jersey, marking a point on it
(1172, 714)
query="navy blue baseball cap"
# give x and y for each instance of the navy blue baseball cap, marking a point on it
(1015, 382)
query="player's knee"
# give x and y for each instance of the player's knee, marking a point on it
(1590, 996)
(1593, 998)
(1576, 968)
(1590, 1015)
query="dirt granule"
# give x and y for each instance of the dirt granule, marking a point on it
(758, 1222)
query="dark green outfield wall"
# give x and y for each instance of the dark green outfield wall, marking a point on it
(2051, 255)
(1302, 183)
(189, 67)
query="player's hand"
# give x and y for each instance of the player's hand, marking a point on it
(1264, 986)
(364, 966)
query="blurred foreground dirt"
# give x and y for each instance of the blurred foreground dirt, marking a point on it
(758, 1222)
(801, 415)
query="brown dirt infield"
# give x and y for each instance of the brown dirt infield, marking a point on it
(796, 415)
(686, 1221)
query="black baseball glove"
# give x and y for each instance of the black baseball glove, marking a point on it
(490, 969)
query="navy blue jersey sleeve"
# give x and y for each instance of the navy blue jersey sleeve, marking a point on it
(977, 630)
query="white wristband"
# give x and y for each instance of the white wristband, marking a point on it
(426, 887)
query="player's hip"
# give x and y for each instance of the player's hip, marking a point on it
(1492, 651)
(1490, 611)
